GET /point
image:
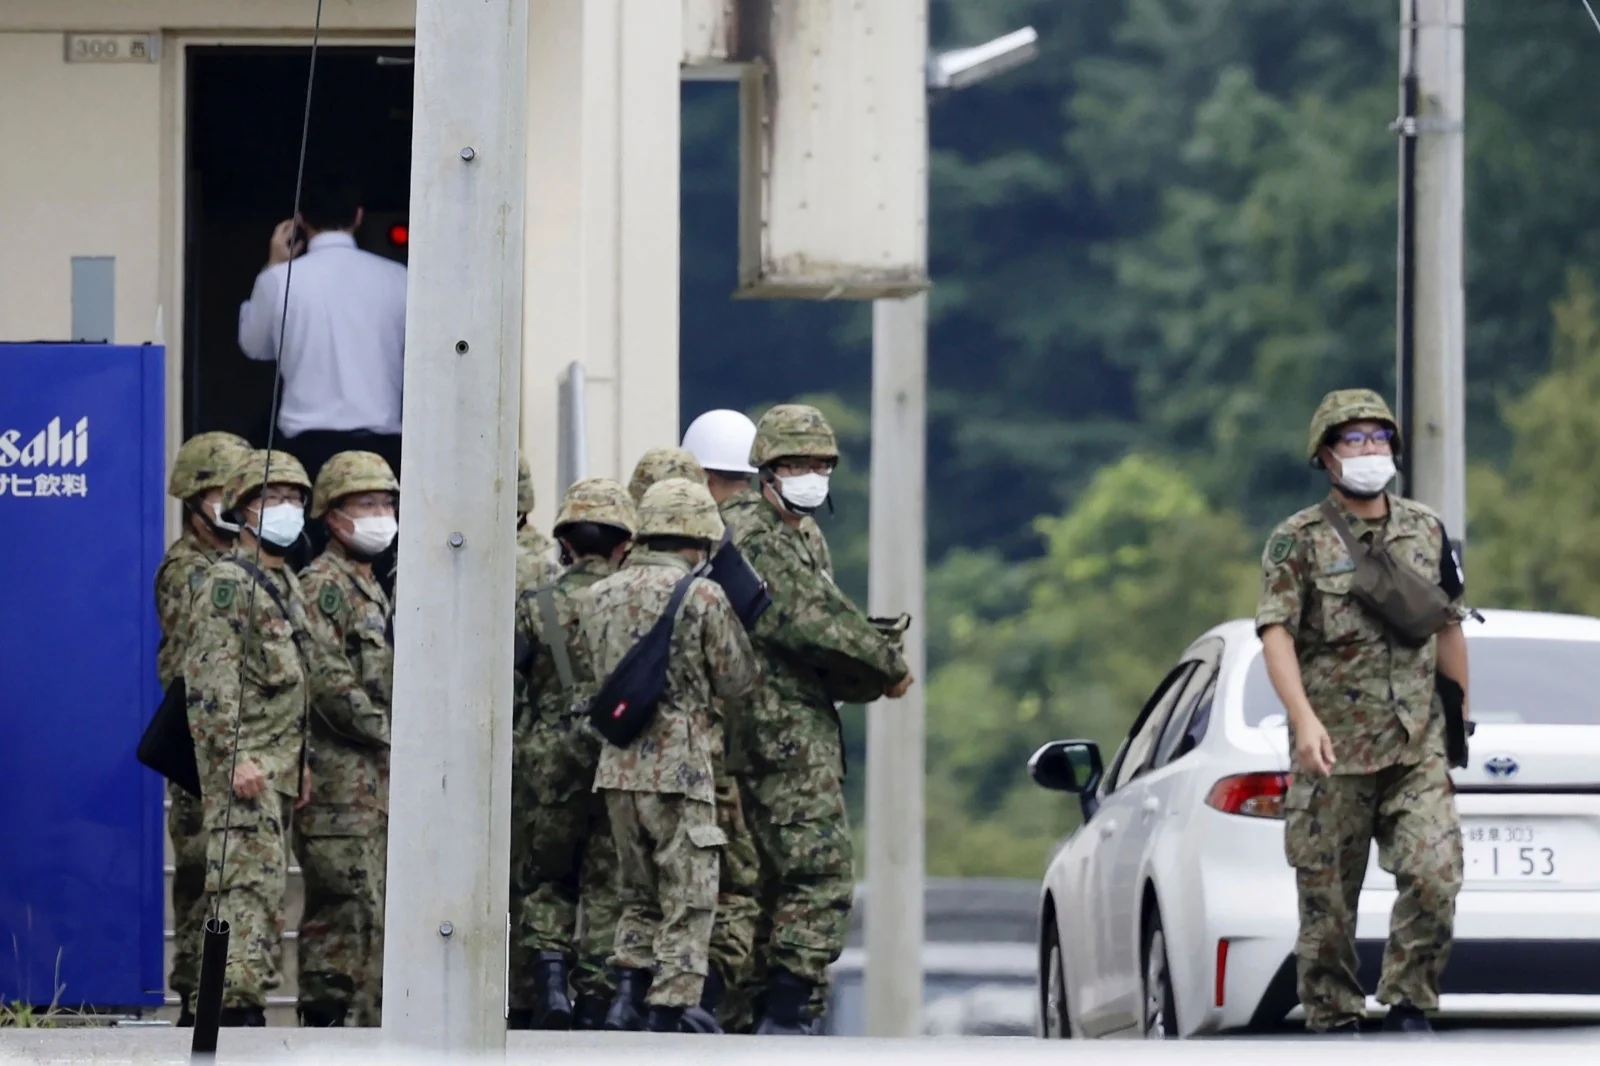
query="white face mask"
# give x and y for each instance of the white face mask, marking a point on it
(372, 534)
(804, 491)
(281, 524)
(217, 519)
(1366, 475)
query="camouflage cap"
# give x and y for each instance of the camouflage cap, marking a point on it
(793, 429)
(348, 473)
(1347, 405)
(524, 486)
(600, 500)
(658, 464)
(277, 468)
(204, 462)
(678, 507)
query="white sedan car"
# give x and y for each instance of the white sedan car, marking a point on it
(1171, 911)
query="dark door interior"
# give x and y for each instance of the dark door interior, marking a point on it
(246, 107)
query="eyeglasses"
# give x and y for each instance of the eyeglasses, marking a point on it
(1355, 438)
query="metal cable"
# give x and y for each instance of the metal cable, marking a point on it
(272, 429)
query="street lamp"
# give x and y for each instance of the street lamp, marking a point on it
(897, 569)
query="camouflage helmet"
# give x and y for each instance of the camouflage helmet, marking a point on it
(204, 462)
(658, 464)
(278, 468)
(524, 486)
(346, 474)
(1347, 405)
(600, 500)
(793, 429)
(678, 507)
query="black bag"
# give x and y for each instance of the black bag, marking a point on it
(167, 746)
(745, 590)
(626, 703)
(1456, 726)
(1414, 607)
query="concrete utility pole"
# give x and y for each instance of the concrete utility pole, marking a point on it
(450, 804)
(897, 568)
(1431, 373)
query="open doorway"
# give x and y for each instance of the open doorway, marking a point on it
(245, 108)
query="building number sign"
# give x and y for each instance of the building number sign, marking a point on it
(113, 47)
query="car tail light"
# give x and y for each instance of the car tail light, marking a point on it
(1222, 970)
(1253, 795)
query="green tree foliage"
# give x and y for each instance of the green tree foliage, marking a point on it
(1533, 525)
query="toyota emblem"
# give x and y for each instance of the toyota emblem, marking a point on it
(1501, 766)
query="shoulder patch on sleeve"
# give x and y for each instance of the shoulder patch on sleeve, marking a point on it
(1279, 547)
(222, 593)
(330, 599)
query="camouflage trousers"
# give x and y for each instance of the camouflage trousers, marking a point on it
(248, 883)
(1329, 826)
(802, 833)
(186, 826)
(733, 933)
(564, 862)
(340, 942)
(668, 865)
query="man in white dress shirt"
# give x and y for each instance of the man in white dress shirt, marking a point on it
(343, 343)
(341, 353)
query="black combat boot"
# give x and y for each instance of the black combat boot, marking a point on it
(242, 1018)
(785, 1013)
(552, 1009)
(627, 1007)
(664, 1019)
(1404, 1018)
(322, 1015)
(703, 1018)
(185, 1014)
(589, 1012)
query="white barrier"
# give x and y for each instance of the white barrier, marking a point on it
(356, 1047)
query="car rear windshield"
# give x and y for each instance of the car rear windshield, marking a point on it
(1514, 680)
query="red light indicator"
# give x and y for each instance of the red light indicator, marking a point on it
(399, 235)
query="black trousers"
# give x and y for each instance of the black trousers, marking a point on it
(314, 447)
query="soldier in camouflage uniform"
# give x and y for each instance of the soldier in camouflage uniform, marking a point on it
(1365, 727)
(659, 790)
(248, 693)
(568, 854)
(658, 464)
(536, 567)
(341, 836)
(793, 786)
(198, 474)
(720, 442)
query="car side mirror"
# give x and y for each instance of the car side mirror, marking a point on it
(1068, 766)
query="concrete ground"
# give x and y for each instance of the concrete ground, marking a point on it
(1545, 1045)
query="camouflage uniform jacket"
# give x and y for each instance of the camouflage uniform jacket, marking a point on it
(547, 698)
(181, 573)
(743, 513)
(270, 709)
(711, 662)
(812, 624)
(352, 683)
(1372, 693)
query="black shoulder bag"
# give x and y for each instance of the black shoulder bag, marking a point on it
(626, 703)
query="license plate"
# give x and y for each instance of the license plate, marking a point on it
(1513, 851)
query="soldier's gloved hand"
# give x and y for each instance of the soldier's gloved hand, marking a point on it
(901, 687)
(1313, 748)
(248, 780)
(305, 789)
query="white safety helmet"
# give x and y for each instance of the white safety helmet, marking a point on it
(721, 440)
